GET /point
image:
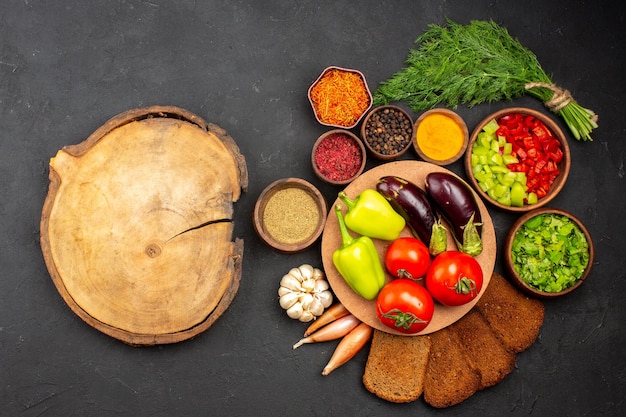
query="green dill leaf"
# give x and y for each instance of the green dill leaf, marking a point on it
(472, 64)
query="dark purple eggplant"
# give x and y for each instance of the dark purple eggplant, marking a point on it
(412, 203)
(455, 201)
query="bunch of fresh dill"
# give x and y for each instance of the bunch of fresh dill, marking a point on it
(478, 63)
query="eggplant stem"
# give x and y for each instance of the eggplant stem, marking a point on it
(472, 243)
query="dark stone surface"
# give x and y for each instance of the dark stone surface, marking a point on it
(67, 67)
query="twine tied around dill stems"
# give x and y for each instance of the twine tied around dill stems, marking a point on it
(560, 97)
(580, 120)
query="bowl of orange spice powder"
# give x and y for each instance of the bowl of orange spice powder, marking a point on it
(440, 136)
(340, 97)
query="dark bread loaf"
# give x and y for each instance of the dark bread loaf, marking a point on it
(484, 348)
(515, 318)
(450, 365)
(450, 376)
(396, 366)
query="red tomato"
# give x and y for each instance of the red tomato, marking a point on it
(454, 278)
(405, 306)
(407, 257)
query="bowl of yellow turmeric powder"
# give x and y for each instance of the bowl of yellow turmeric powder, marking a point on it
(440, 136)
(340, 97)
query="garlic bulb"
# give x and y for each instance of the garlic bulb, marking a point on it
(304, 293)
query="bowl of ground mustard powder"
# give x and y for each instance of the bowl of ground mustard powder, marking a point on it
(289, 214)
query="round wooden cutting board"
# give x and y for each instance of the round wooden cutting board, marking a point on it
(136, 229)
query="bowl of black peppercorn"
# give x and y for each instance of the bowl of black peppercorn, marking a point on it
(387, 132)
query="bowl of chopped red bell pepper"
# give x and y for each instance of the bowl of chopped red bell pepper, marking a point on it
(340, 97)
(517, 159)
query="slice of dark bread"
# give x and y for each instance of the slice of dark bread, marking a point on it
(396, 366)
(450, 376)
(515, 318)
(450, 365)
(484, 348)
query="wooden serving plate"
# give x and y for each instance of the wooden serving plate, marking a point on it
(365, 310)
(136, 228)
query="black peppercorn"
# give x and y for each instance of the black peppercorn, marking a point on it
(388, 131)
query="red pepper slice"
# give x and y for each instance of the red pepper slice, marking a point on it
(528, 142)
(510, 120)
(541, 192)
(503, 131)
(518, 167)
(557, 156)
(538, 152)
(550, 145)
(540, 132)
(530, 121)
(518, 130)
(540, 165)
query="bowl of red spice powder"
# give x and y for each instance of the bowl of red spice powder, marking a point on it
(338, 157)
(340, 97)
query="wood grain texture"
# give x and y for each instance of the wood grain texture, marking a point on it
(137, 225)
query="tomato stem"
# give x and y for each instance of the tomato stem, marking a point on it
(402, 319)
(465, 286)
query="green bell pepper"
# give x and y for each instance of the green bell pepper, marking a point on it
(358, 262)
(371, 215)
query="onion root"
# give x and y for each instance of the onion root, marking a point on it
(349, 346)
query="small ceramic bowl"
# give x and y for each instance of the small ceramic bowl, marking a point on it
(289, 214)
(387, 132)
(509, 261)
(338, 157)
(338, 100)
(434, 127)
(563, 165)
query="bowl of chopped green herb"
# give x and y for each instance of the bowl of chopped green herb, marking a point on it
(548, 252)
